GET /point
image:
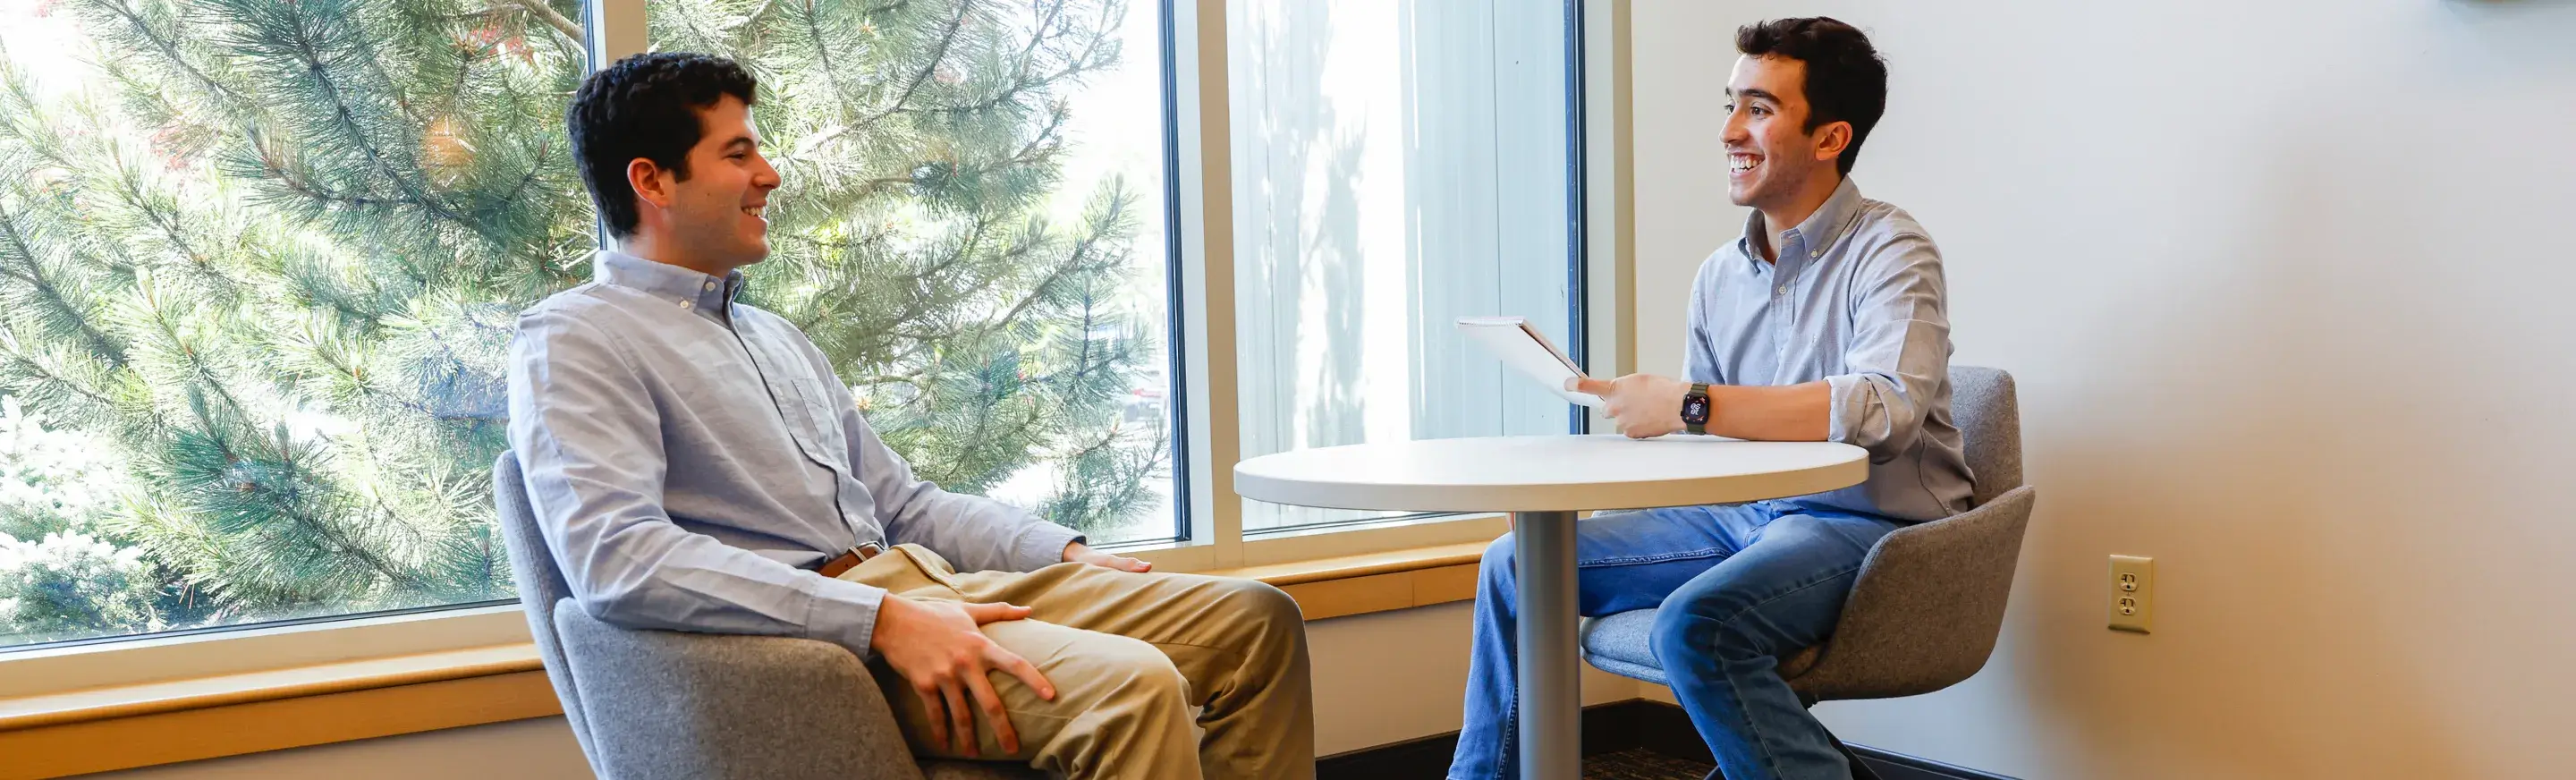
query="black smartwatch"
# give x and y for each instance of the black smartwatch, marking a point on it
(1695, 410)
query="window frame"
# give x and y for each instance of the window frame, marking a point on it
(1200, 236)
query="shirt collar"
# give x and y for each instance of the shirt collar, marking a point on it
(1819, 231)
(691, 290)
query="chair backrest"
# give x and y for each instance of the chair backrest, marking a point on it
(1929, 602)
(541, 586)
(1988, 413)
(1927, 608)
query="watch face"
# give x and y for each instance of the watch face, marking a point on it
(1695, 409)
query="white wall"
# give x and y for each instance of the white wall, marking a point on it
(1379, 679)
(2287, 286)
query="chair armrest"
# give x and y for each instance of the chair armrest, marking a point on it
(1927, 608)
(667, 704)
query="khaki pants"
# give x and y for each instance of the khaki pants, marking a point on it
(1129, 655)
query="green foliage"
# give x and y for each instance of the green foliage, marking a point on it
(68, 585)
(264, 261)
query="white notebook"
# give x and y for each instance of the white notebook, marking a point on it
(1528, 353)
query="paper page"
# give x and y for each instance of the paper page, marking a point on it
(1527, 353)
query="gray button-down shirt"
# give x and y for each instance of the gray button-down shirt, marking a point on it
(1855, 301)
(692, 460)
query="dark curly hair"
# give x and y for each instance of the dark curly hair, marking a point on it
(1846, 79)
(645, 106)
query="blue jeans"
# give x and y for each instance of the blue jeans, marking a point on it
(1741, 585)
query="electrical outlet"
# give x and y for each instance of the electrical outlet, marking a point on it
(2133, 592)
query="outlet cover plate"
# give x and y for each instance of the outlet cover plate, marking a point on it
(2133, 593)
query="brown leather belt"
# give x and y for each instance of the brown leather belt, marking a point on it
(848, 560)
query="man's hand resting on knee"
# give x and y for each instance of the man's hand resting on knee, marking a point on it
(937, 647)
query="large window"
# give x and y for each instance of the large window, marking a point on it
(1398, 164)
(260, 262)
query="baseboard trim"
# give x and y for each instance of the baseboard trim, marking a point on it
(1609, 728)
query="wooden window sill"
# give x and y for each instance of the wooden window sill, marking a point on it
(129, 726)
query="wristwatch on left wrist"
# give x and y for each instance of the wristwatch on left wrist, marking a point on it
(1695, 407)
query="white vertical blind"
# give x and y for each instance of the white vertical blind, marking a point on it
(1397, 165)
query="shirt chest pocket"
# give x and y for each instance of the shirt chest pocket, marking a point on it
(814, 423)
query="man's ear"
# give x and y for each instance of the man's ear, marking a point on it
(652, 183)
(1832, 139)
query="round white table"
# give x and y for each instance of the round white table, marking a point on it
(1543, 481)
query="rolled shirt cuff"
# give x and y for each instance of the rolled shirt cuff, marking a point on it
(1849, 394)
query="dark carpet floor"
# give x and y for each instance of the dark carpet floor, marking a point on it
(1642, 764)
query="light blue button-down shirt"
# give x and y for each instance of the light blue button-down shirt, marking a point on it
(692, 460)
(1856, 300)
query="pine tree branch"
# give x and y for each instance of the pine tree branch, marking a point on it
(129, 190)
(298, 183)
(938, 275)
(485, 12)
(1126, 475)
(455, 92)
(50, 291)
(545, 152)
(1029, 153)
(983, 432)
(374, 64)
(937, 55)
(1038, 36)
(753, 18)
(24, 121)
(697, 35)
(308, 51)
(394, 515)
(1021, 81)
(194, 360)
(1037, 292)
(544, 13)
(908, 378)
(1072, 264)
(913, 305)
(823, 56)
(336, 540)
(16, 353)
(354, 375)
(169, 50)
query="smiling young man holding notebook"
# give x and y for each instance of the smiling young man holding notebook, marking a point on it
(1824, 322)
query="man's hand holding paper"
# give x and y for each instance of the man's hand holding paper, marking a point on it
(1643, 405)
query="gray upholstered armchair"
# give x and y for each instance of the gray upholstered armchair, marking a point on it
(1930, 600)
(665, 704)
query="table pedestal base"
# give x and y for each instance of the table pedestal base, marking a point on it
(1551, 707)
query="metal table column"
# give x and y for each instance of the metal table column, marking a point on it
(1551, 706)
